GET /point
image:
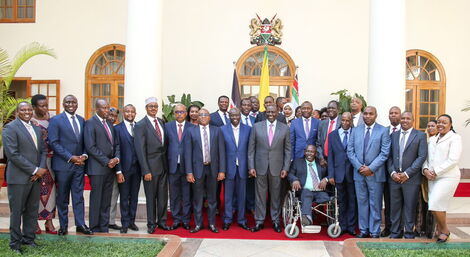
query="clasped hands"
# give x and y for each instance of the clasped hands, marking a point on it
(190, 177)
(366, 171)
(39, 174)
(399, 177)
(430, 174)
(78, 160)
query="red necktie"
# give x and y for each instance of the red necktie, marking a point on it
(180, 132)
(330, 128)
(157, 129)
(110, 137)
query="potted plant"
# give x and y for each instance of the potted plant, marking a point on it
(167, 109)
(8, 70)
(344, 99)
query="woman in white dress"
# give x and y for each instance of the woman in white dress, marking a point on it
(442, 172)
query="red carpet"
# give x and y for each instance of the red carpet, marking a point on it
(463, 190)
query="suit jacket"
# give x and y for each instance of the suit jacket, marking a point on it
(252, 120)
(64, 143)
(322, 131)
(175, 147)
(262, 117)
(193, 152)
(297, 136)
(276, 157)
(23, 156)
(298, 171)
(376, 151)
(216, 120)
(361, 120)
(128, 155)
(151, 152)
(339, 166)
(234, 152)
(443, 156)
(99, 149)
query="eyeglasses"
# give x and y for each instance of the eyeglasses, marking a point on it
(180, 112)
(204, 114)
(152, 106)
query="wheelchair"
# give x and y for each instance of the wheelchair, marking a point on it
(291, 213)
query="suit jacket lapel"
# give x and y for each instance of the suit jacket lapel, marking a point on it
(126, 132)
(264, 131)
(276, 134)
(25, 132)
(410, 139)
(310, 133)
(152, 129)
(232, 135)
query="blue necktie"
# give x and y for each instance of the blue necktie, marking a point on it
(75, 127)
(366, 143)
(227, 120)
(345, 140)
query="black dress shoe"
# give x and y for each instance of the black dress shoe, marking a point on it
(352, 233)
(244, 226)
(114, 226)
(277, 227)
(257, 228)
(31, 244)
(213, 229)
(164, 227)
(123, 230)
(175, 226)
(361, 235)
(375, 236)
(226, 226)
(186, 226)
(84, 230)
(195, 229)
(62, 232)
(386, 232)
(151, 229)
(133, 227)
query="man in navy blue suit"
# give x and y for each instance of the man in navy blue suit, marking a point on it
(65, 135)
(326, 126)
(368, 151)
(245, 110)
(177, 132)
(236, 136)
(204, 160)
(129, 179)
(220, 117)
(340, 173)
(254, 106)
(249, 120)
(303, 131)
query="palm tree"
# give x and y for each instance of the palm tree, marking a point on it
(466, 109)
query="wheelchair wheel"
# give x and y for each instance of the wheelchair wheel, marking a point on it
(295, 232)
(334, 231)
(288, 209)
(331, 211)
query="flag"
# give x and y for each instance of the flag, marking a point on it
(235, 99)
(264, 80)
(295, 92)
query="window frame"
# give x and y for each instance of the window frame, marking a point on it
(15, 18)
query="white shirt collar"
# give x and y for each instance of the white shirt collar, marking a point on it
(371, 126)
(182, 123)
(26, 124)
(70, 115)
(128, 123)
(101, 119)
(269, 123)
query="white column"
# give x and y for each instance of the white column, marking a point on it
(143, 54)
(386, 56)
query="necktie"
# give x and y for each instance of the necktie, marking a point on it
(402, 147)
(180, 132)
(315, 180)
(394, 129)
(246, 121)
(253, 114)
(366, 143)
(33, 134)
(206, 145)
(345, 140)
(307, 128)
(132, 129)
(157, 129)
(330, 128)
(226, 118)
(75, 127)
(271, 134)
(108, 132)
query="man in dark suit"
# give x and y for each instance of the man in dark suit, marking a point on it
(303, 131)
(269, 155)
(245, 110)
(356, 111)
(236, 136)
(65, 135)
(150, 140)
(280, 102)
(26, 153)
(326, 127)
(204, 159)
(129, 179)
(102, 146)
(408, 152)
(368, 151)
(254, 106)
(177, 132)
(249, 120)
(340, 174)
(307, 175)
(220, 117)
(269, 100)
(113, 118)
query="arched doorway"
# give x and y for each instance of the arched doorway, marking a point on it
(425, 87)
(281, 71)
(105, 78)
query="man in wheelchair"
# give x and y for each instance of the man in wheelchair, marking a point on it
(307, 176)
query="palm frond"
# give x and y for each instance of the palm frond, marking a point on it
(26, 53)
(4, 63)
(467, 107)
(8, 106)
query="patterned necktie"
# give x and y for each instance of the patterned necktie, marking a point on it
(206, 145)
(75, 127)
(271, 134)
(315, 180)
(31, 131)
(307, 128)
(330, 128)
(108, 132)
(402, 147)
(393, 130)
(180, 131)
(345, 140)
(157, 129)
(366, 143)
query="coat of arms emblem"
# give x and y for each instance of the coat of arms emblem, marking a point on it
(266, 32)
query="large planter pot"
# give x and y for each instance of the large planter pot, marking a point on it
(2, 174)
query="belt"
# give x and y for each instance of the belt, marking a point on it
(206, 163)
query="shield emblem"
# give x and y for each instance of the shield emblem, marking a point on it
(266, 31)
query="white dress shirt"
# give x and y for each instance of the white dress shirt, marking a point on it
(245, 120)
(129, 127)
(356, 118)
(309, 124)
(32, 133)
(236, 135)
(202, 140)
(151, 119)
(274, 126)
(222, 116)
(69, 118)
(182, 131)
(341, 133)
(399, 140)
(371, 128)
(397, 127)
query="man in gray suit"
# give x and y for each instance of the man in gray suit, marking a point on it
(408, 152)
(356, 111)
(26, 153)
(327, 126)
(269, 153)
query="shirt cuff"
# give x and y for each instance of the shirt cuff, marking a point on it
(391, 174)
(35, 171)
(118, 172)
(86, 155)
(406, 174)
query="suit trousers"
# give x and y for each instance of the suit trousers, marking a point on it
(369, 202)
(24, 204)
(404, 199)
(309, 197)
(264, 184)
(235, 189)
(207, 183)
(114, 199)
(129, 198)
(387, 208)
(347, 206)
(156, 196)
(100, 201)
(70, 182)
(250, 194)
(180, 196)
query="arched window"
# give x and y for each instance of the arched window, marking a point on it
(281, 71)
(105, 78)
(425, 87)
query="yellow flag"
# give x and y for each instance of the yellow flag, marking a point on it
(264, 80)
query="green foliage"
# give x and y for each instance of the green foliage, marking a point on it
(186, 100)
(344, 99)
(466, 109)
(416, 252)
